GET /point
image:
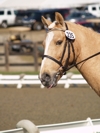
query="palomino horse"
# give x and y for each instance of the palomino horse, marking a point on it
(66, 45)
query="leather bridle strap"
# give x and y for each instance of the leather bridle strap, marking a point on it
(67, 60)
(58, 62)
(75, 64)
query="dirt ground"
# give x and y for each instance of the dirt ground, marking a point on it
(43, 106)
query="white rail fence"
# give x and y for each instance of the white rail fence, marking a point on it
(20, 80)
(85, 126)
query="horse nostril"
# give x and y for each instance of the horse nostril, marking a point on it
(45, 79)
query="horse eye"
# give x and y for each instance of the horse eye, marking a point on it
(59, 42)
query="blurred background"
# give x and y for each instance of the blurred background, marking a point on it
(22, 32)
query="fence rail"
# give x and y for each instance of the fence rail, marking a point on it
(35, 52)
(20, 80)
(85, 126)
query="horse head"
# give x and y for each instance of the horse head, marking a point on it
(58, 51)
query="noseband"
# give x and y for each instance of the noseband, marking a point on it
(68, 42)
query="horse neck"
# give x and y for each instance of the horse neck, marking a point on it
(87, 43)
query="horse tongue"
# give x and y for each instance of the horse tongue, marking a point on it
(50, 86)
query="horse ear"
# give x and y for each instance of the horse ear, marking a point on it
(45, 21)
(59, 18)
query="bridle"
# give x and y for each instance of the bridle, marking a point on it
(68, 42)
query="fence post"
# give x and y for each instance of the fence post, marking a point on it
(7, 56)
(35, 55)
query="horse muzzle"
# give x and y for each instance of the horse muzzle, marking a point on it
(48, 80)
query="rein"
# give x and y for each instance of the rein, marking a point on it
(83, 61)
(69, 43)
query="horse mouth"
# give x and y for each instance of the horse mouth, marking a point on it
(54, 84)
(51, 84)
(49, 81)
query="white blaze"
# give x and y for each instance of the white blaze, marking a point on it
(48, 41)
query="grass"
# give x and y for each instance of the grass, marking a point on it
(18, 73)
